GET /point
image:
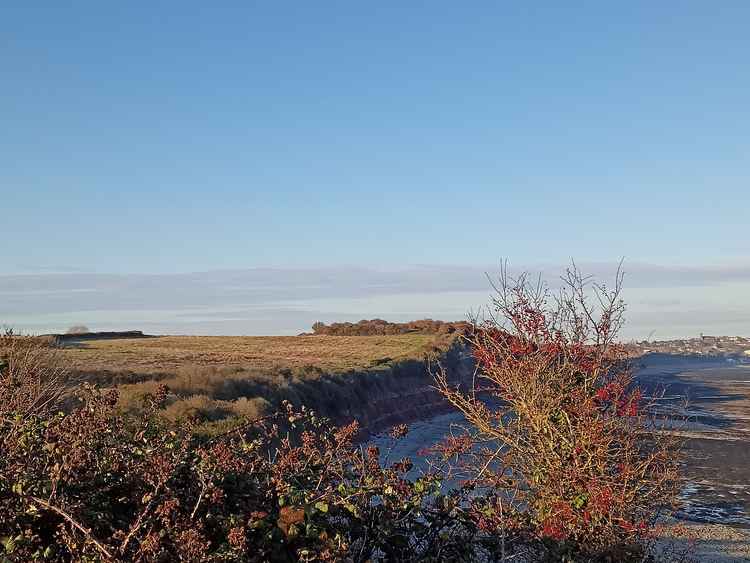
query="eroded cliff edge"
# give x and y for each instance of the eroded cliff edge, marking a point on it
(381, 397)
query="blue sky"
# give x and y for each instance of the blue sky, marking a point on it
(174, 137)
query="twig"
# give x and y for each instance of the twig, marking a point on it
(75, 524)
(200, 498)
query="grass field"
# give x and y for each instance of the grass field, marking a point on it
(171, 353)
(220, 379)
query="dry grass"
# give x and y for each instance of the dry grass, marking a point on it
(220, 378)
(170, 353)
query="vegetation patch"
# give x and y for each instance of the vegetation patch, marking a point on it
(564, 463)
(218, 380)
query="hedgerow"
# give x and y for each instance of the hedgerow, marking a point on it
(86, 484)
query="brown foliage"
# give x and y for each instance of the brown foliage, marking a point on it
(89, 485)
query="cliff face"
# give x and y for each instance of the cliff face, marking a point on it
(422, 403)
(401, 393)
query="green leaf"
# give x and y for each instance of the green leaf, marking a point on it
(351, 508)
(8, 543)
(579, 501)
(321, 506)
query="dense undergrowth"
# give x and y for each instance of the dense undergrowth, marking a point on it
(87, 484)
(562, 462)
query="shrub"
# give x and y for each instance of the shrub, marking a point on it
(562, 439)
(196, 408)
(78, 329)
(255, 407)
(88, 485)
(33, 378)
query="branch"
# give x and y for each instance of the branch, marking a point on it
(75, 524)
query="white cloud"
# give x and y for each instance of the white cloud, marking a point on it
(673, 301)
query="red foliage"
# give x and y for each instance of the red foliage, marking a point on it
(558, 399)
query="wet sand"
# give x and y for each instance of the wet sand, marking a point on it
(716, 428)
(703, 543)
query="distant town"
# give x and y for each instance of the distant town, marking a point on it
(703, 345)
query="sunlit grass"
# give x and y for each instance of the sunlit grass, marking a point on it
(169, 353)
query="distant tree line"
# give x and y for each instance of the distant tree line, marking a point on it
(375, 327)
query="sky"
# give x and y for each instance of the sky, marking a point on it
(148, 141)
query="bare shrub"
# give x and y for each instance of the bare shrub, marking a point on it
(32, 379)
(78, 329)
(561, 439)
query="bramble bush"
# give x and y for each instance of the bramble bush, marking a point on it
(86, 484)
(562, 461)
